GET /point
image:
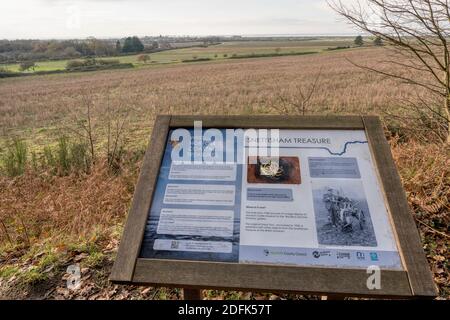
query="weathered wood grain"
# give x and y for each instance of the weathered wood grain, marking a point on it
(415, 281)
(134, 229)
(268, 278)
(409, 243)
(271, 122)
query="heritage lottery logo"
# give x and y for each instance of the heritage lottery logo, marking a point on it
(318, 254)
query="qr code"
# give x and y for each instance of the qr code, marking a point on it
(175, 245)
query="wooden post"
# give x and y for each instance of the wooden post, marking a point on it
(192, 294)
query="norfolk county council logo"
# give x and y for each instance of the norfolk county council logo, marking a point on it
(266, 252)
(316, 254)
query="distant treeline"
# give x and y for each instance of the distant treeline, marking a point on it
(12, 51)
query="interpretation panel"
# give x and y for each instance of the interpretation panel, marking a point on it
(318, 203)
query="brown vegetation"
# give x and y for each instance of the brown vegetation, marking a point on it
(71, 207)
(232, 87)
(38, 210)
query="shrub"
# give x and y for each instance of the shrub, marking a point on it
(95, 64)
(34, 161)
(359, 41)
(63, 156)
(15, 159)
(5, 73)
(107, 62)
(197, 60)
(24, 66)
(143, 58)
(69, 157)
(378, 42)
(80, 160)
(75, 64)
(4, 70)
(338, 48)
(50, 160)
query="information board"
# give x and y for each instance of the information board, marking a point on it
(302, 204)
(318, 204)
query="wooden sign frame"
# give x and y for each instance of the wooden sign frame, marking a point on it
(414, 281)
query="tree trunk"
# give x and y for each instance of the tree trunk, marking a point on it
(447, 99)
(447, 114)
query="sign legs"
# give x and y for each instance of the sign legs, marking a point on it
(192, 294)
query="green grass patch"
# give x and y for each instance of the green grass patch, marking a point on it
(94, 254)
(15, 159)
(41, 263)
(215, 52)
(32, 275)
(8, 271)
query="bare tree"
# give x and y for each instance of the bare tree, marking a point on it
(85, 125)
(116, 131)
(88, 127)
(417, 33)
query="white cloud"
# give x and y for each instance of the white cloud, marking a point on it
(116, 18)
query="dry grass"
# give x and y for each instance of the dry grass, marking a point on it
(37, 107)
(37, 208)
(425, 172)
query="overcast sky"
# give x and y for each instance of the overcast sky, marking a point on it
(28, 19)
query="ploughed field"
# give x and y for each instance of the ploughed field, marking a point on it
(35, 108)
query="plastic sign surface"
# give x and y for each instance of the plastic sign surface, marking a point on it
(317, 202)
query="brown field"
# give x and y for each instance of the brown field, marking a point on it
(48, 222)
(33, 108)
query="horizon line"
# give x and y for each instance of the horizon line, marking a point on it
(262, 35)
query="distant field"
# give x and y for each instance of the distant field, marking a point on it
(37, 108)
(215, 52)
